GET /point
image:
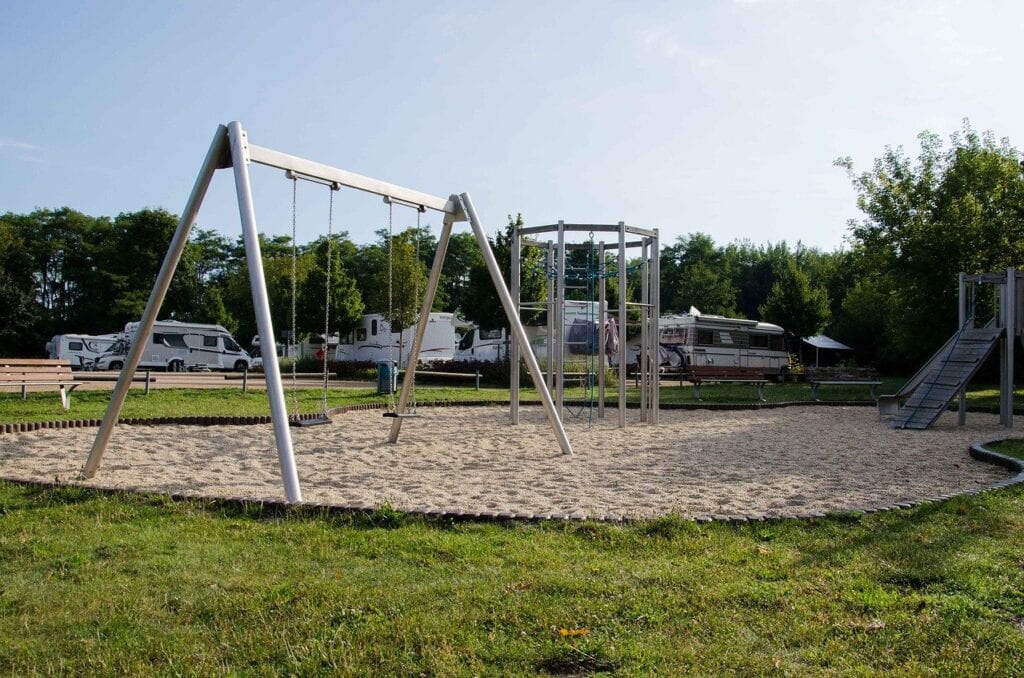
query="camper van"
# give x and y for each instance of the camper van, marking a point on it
(580, 334)
(176, 346)
(81, 350)
(697, 339)
(373, 340)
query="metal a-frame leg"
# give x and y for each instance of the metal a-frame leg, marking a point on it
(421, 326)
(516, 324)
(227, 143)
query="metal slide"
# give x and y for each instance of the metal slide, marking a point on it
(930, 391)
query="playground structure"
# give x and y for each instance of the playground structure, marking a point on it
(230, 148)
(927, 394)
(588, 278)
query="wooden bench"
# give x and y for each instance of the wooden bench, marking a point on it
(705, 374)
(25, 372)
(841, 377)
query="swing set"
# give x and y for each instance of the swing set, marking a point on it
(230, 148)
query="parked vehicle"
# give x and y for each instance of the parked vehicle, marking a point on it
(373, 340)
(492, 345)
(698, 339)
(177, 346)
(81, 349)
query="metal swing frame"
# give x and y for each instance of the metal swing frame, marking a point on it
(230, 148)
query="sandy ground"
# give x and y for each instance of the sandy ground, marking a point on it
(696, 462)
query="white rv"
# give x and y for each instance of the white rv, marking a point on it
(697, 339)
(176, 346)
(374, 341)
(81, 349)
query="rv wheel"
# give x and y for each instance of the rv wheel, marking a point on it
(175, 366)
(116, 365)
(241, 366)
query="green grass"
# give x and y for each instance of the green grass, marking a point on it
(92, 583)
(44, 406)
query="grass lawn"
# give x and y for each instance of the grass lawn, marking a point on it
(95, 583)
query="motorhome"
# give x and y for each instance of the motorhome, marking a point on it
(373, 340)
(492, 345)
(177, 346)
(698, 339)
(81, 350)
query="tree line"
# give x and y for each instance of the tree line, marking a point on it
(889, 291)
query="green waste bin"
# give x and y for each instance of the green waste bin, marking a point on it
(387, 377)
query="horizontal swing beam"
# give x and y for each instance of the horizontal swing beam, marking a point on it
(326, 173)
(597, 228)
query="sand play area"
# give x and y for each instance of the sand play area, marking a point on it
(696, 462)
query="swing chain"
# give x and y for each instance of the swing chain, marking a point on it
(291, 339)
(327, 295)
(392, 364)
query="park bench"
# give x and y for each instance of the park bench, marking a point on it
(841, 376)
(708, 374)
(25, 372)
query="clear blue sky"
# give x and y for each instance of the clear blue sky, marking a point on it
(720, 116)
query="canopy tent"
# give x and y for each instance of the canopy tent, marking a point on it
(820, 341)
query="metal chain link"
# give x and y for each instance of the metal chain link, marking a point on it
(391, 349)
(291, 340)
(327, 295)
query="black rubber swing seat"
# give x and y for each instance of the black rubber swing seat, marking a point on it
(403, 415)
(318, 421)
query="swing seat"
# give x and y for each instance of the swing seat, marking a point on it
(402, 415)
(318, 421)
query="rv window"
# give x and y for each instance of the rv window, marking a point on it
(466, 342)
(778, 343)
(75, 346)
(175, 340)
(758, 341)
(230, 345)
(361, 334)
(705, 338)
(158, 339)
(490, 334)
(347, 339)
(210, 342)
(373, 327)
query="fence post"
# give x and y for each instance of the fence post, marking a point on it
(147, 382)
(245, 380)
(478, 378)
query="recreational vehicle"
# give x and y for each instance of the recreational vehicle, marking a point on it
(81, 349)
(698, 339)
(373, 340)
(176, 346)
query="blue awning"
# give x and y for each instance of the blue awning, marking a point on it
(821, 341)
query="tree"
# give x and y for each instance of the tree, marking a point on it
(952, 209)
(18, 310)
(485, 308)
(792, 303)
(346, 303)
(695, 273)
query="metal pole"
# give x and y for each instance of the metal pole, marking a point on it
(218, 148)
(261, 305)
(656, 321)
(513, 362)
(549, 360)
(421, 327)
(602, 339)
(1006, 383)
(961, 410)
(517, 327)
(560, 322)
(645, 335)
(623, 351)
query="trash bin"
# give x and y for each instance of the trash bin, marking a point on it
(387, 377)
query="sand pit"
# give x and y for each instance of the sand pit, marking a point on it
(697, 462)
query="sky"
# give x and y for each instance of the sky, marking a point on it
(721, 116)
